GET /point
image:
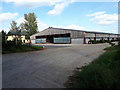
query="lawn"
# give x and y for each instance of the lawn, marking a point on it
(19, 48)
(104, 72)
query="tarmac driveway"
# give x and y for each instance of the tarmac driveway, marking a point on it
(47, 68)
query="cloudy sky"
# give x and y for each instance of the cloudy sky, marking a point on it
(71, 14)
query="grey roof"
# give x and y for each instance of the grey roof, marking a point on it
(68, 30)
(81, 30)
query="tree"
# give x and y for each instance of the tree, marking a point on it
(3, 38)
(14, 30)
(22, 26)
(13, 26)
(30, 24)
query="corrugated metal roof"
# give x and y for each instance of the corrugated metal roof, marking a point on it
(51, 28)
(80, 30)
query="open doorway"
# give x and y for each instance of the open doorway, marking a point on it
(49, 38)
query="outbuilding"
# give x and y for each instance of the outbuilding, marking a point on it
(70, 36)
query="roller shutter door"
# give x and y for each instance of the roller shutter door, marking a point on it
(77, 41)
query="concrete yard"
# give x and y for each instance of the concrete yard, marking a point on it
(47, 68)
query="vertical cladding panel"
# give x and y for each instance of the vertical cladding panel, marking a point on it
(32, 37)
(107, 35)
(77, 34)
(116, 36)
(73, 34)
(90, 35)
(111, 35)
(77, 41)
(98, 35)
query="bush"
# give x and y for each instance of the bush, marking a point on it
(98, 41)
(101, 41)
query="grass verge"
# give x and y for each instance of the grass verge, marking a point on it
(20, 48)
(104, 72)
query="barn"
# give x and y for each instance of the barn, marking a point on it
(70, 36)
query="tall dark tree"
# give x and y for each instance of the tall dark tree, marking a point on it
(30, 24)
(3, 38)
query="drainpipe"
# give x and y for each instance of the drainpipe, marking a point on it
(95, 37)
(70, 40)
(112, 38)
(84, 40)
(41, 39)
(102, 38)
(53, 38)
(59, 35)
(108, 38)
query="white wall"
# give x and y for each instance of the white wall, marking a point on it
(77, 41)
(105, 38)
(33, 41)
(87, 39)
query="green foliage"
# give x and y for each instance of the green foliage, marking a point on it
(13, 26)
(22, 26)
(30, 24)
(101, 41)
(101, 73)
(111, 48)
(3, 38)
(14, 30)
(119, 42)
(12, 48)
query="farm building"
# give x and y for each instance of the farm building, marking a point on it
(70, 36)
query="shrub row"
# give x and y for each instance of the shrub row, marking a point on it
(101, 41)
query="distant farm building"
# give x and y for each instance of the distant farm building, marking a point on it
(14, 34)
(19, 37)
(69, 36)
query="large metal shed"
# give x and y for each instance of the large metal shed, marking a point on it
(70, 36)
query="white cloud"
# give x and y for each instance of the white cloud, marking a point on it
(105, 22)
(34, 3)
(58, 8)
(59, 5)
(73, 26)
(20, 20)
(102, 18)
(6, 17)
(94, 14)
(41, 25)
